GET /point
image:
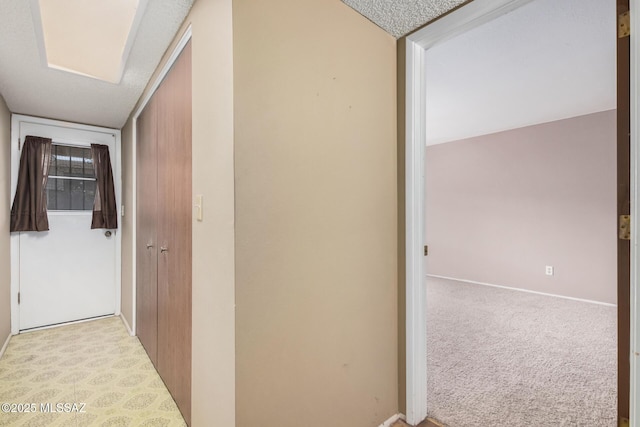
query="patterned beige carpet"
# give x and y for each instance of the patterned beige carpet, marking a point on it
(95, 365)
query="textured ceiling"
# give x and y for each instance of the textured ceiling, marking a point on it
(29, 87)
(400, 17)
(545, 61)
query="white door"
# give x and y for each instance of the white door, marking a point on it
(69, 272)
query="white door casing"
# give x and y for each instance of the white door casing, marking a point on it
(70, 272)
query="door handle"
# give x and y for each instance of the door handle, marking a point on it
(163, 249)
(149, 245)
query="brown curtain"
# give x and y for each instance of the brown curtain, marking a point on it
(105, 213)
(29, 209)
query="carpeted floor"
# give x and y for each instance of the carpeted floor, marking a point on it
(499, 357)
(95, 365)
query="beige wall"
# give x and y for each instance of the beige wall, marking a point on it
(213, 383)
(501, 207)
(5, 208)
(316, 216)
(126, 227)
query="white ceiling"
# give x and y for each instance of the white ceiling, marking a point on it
(30, 87)
(545, 61)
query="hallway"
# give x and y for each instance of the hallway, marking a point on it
(95, 365)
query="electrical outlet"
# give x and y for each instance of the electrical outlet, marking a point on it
(548, 270)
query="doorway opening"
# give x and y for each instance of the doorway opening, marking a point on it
(70, 272)
(418, 91)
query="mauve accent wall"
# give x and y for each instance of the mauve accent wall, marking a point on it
(501, 207)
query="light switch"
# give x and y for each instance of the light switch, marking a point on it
(198, 206)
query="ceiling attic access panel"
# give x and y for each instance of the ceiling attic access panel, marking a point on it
(91, 38)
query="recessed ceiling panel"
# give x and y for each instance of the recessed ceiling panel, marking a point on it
(88, 37)
(31, 87)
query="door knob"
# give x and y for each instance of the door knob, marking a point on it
(163, 249)
(107, 233)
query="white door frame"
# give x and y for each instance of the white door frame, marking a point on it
(16, 119)
(465, 18)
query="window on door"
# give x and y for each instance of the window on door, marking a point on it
(72, 183)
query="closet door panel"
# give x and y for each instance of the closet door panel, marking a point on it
(146, 241)
(174, 231)
(164, 217)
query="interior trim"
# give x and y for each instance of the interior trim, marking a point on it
(392, 419)
(126, 325)
(5, 345)
(474, 282)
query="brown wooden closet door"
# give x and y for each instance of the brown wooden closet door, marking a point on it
(146, 242)
(174, 231)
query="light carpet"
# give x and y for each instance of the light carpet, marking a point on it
(95, 365)
(499, 357)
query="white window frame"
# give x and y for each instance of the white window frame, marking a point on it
(463, 19)
(72, 178)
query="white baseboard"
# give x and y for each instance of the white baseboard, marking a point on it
(522, 290)
(392, 420)
(126, 325)
(4, 346)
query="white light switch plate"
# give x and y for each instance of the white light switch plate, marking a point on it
(198, 206)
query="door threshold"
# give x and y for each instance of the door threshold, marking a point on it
(73, 322)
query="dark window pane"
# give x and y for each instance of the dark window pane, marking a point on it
(88, 165)
(70, 194)
(89, 194)
(71, 161)
(63, 161)
(77, 161)
(51, 195)
(63, 194)
(77, 195)
(81, 162)
(54, 161)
